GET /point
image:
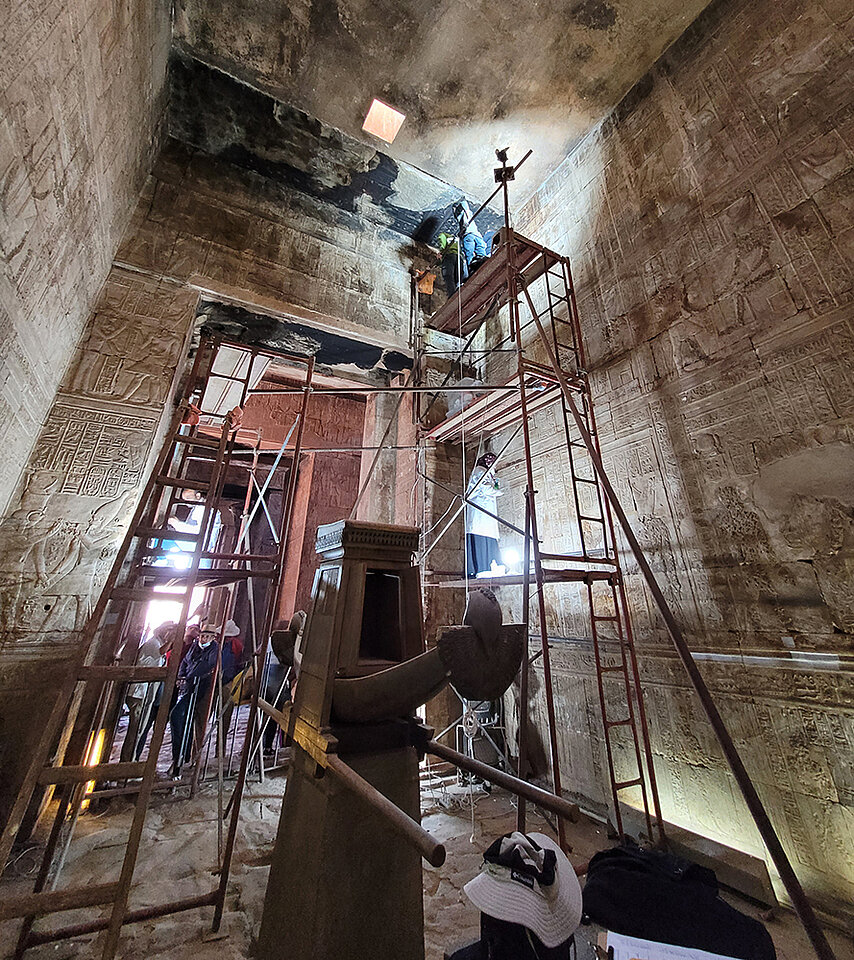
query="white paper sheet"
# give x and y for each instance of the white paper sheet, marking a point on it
(633, 948)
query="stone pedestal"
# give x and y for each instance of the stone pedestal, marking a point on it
(343, 886)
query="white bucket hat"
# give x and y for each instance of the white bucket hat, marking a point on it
(231, 629)
(527, 879)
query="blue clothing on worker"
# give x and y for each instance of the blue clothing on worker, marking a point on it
(473, 244)
(232, 650)
(197, 665)
(462, 214)
(194, 675)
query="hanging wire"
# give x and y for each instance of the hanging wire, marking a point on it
(471, 804)
(464, 482)
(451, 506)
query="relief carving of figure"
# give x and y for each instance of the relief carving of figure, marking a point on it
(49, 550)
(24, 533)
(133, 362)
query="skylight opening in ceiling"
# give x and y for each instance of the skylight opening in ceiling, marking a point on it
(383, 121)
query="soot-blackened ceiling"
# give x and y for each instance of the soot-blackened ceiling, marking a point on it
(236, 122)
(470, 75)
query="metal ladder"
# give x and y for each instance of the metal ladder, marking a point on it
(598, 558)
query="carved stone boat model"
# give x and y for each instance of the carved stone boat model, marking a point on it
(345, 880)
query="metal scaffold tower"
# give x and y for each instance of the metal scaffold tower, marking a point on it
(535, 284)
(543, 335)
(63, 758)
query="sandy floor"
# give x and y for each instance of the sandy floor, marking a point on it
(180, 851)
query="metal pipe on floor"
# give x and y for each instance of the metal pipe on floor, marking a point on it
(132, 916)
(542, 798)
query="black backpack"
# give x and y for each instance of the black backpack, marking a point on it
(662, 897)
(500, 940)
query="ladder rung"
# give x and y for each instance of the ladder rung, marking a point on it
(617, 723)
(202, 457)
(615, 617)
(242, 557)
(619, 668)
(571, 575)
(592, 519)
(120, 672)
(534, 366)
(81, 773)
(581, 557)
(158, 551)
(183, 483)
(55, 901)
(129, 789)
(594, 481)
(164, 574)
(143, 594)
(624, 784)
(196, 441)
(164, 533)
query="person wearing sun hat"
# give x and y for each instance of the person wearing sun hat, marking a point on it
(529, 897)
(232, 651)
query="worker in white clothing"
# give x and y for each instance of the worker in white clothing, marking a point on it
(482, 555)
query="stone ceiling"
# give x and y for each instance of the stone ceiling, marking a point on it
(471, 75)
(361, 186)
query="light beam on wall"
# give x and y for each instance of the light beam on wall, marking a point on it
(383, 121)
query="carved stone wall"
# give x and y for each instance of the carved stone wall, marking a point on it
(256, 240)
(81, 98)
(80, 487)
(709, 225)
(388, 475)
(201, 226)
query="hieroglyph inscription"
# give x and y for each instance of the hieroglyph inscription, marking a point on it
(97, 455)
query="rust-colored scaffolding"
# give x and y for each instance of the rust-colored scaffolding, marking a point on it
(62, 757)
(520, 273)
(535, 284)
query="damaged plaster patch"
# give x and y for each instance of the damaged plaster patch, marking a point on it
(595, 14)
(819, 473)
(226, 118)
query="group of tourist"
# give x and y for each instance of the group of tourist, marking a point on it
(191, 701)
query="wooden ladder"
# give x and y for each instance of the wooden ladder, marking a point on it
(62, 759)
